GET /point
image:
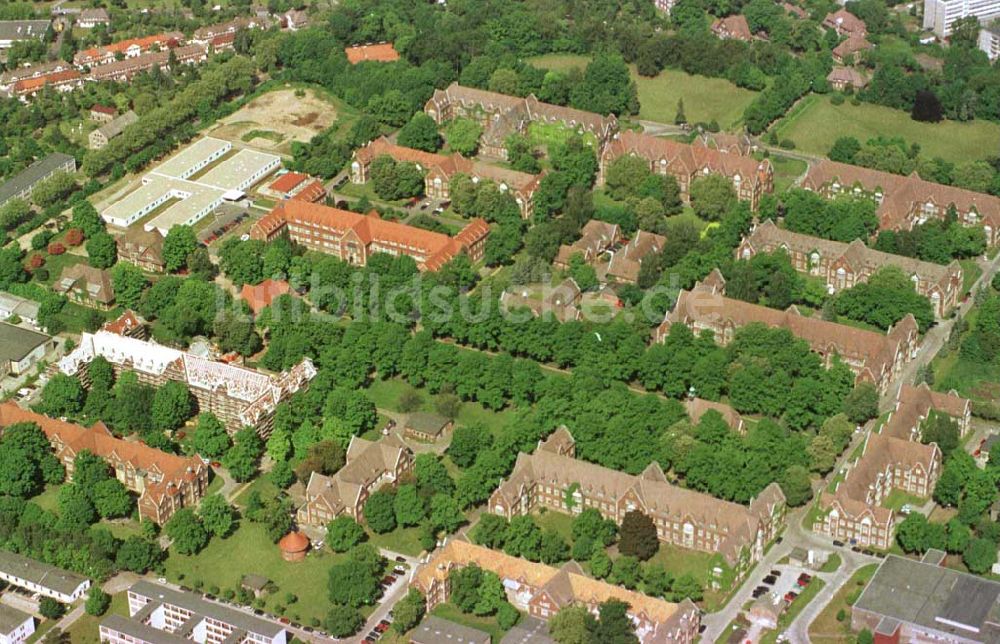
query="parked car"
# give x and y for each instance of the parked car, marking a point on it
(401, 559)
(838, 543)
(770, 579)
(776, 573)
(790, 596)
(399, 570)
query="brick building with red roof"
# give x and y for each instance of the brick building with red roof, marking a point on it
(354, 237)
(259, 297)
(164, 482)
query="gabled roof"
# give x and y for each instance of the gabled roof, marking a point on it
(735, 27)
(99, 441)
(144, 43)
(847, 75)
(94, 282)
(853, 44)
(843, 21)
(380, 53)
(35, 83)
(367, 461)
(288, 181)
(260, 296)
(696, 408)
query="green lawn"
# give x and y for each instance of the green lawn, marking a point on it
(224, 562)
(85, 629)
(681, 561)
(970, 273)
(402, 540)
(786, 171)
(48, 499)
(561, 523)
(826, 627)
(545, 134)
(794, 609)
(452, 613)
(705, 99)
(810, 128)
(385, 394)
(831, 564)
(261, 484)
(898, 498)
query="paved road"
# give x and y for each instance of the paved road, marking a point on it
(396, 592)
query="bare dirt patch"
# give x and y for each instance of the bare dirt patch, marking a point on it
(291, 117)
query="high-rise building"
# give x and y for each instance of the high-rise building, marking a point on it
(940, 15)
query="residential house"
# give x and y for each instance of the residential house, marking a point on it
(86, 285)
(733, 143)
(21, 349)
(295, 185)
(15, 626)
(428, 427)
(164, 482)
(127, 324)
(20, 185)
(130, 48)
(126, 69)
(380, 53)
(905, 201)
(41, 579)
(369, 466)
(502, 115)
(597, 237)
(923, 601)
(238, 396)
(698, 407)
(223, 35)
(845, 23)
(258, 297)
(561, 301)
(8, 78)
(732, 28)
(542, 590)
(751, 178)
(161, 614)
(795, 10)
(102, 113)
(91, 17)
(843, 265)
(12, 31)
(624, 262)
(852, 46)
(846, 79)
(553, 478)
(354, 237)
(295, 19)
(873, 357)
(66, 80)
(16, 306)
(102, 135)
(144, 248)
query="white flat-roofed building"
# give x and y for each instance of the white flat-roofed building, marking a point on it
(242, 170)
(196, 185)
(196, 156)
(15, 626)
(940, 15)
(41, 578)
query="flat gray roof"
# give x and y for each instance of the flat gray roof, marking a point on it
(34, 173)
(237, 169)
(435, 630)
(935, 598)
(194, 603)
(17, 305)
(141, 631)
(180, 164)
(22, 29)
(56, 579)
(11, 618)
(17, 342)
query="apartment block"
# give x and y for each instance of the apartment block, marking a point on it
(553, 478)
(41, 579)
(159, 614)
(542, 591)
(369, 466)
(940, 15)
(238, 396)
(843, 265)
(873, 357)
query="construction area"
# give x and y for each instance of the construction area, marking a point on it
(276, 119)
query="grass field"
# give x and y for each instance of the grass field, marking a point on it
(452, 613)
(831, 564)
(224, 562)
(705, 99)
(811, 127)
(85, 629)
(970, 273)
(786, 171)
(826, 627)
(898, 498)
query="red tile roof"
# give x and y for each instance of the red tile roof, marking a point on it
(29, 85)
(734, 27)
(125, 323)
(144, 43)
(312, 193)
(381, 53)
(288, 181)
(260, 296)
(104, 109)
